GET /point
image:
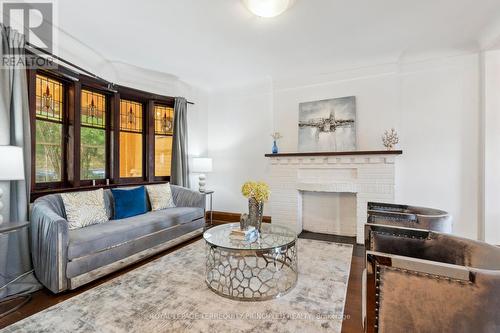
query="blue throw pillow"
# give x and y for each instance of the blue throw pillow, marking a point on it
(129, 203)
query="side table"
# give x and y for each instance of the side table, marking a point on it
(209, 193)
(6, 228)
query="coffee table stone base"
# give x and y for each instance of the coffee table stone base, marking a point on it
(251, 275)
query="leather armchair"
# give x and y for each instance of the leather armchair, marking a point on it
(409, 216)
(423, 281)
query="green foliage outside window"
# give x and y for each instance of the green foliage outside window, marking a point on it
(93, 153)
(48, 151)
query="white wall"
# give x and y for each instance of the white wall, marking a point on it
(376, 91)
(239, 128)
(434, 106)
(439, 126)
(491, 63)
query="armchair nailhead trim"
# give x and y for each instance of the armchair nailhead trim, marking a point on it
(372, 241)
(409, 272)
(400, 235)
(427, 275)
(376, 218)
(377, 295)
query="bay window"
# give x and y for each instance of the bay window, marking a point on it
(88, 132)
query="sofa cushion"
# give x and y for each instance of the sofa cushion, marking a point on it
(84, 208)
(129, 202)
(160, 196)
(100, 237)
(99, 260)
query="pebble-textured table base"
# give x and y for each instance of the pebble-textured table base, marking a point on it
(254, 275)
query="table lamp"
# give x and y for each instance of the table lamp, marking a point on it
(11, 167)
(201, 165)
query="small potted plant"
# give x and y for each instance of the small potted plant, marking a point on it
(257, 193)
(276, 136)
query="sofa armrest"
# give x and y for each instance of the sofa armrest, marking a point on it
(185, 197)
(49, 246)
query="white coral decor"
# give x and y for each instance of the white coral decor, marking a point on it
(390, 139)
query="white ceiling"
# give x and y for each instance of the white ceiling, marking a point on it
(213, 43)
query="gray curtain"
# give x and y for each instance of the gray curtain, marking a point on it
(180, 168)
(16, 275)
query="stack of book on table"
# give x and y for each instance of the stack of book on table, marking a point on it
(244, 235)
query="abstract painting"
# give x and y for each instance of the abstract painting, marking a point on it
(328, 125)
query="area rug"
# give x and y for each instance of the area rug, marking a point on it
(170, 295)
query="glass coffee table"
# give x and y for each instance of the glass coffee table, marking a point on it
(259, 269)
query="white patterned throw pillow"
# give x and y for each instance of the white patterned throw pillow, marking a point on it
(160, 196)
(84, 208)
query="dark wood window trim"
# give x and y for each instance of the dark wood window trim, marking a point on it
(41, 193)
(74, 83)
(108, 133)
(153, 139)
(32, 74)
(145, 151)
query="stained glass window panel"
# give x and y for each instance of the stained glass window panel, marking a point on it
(93, 109)
(164, 120)
(130, 116)
(49, 99)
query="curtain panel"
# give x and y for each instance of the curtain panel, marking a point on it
(16, 274)
(180, 167)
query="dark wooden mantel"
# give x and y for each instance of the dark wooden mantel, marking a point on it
(340, 153)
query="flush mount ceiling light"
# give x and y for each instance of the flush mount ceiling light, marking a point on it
(268, 8)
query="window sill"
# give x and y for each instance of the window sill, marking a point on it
(40, 193)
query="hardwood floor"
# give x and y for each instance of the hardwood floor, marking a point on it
(352, 310)
(44, 299)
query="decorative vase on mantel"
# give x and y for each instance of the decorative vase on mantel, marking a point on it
(275, 147)
(276, 136)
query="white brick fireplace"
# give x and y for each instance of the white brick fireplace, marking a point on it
(368, 175)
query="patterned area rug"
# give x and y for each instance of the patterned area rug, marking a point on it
(170, 295)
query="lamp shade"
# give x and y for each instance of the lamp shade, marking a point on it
(11, 163)
(201, 164)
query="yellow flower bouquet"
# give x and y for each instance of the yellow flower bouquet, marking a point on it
(256, 190)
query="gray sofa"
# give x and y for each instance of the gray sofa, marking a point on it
(66, 259)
